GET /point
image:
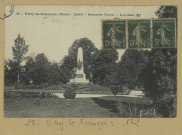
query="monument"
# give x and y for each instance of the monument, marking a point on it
(80, 76)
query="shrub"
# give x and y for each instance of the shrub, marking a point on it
(127, 110)
(69, 93)
(22, 94)
(115, 90)
(130, 110)
(167, 105)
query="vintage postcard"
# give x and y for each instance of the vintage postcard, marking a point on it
(68, 68)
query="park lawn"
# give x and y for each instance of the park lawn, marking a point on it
(79, 107)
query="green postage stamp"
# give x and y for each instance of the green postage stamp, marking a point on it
(164, 33)
(114, 34)
(139, 34)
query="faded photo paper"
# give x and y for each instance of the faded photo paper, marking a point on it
(90, 62)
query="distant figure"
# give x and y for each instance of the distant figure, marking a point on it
(137, 33)
(162, 32)
(112, 33)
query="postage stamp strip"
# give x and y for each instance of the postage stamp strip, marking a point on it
(114, 34)
(164, 33)
(139, 34)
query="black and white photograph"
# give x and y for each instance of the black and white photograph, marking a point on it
(56, 66)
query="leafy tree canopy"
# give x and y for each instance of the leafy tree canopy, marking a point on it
(19, 49)
(167, 12)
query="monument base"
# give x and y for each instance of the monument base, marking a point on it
(79, 81)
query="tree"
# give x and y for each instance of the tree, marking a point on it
(55, 75)
(130, 66)
(104, 65)
(41, 69)
(159, 80)
(10, 72)
(159, 75)
(40, 72)
(29, 70)
(167, 12)
(67, 66)
(19, 51)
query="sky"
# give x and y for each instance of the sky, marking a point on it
(54, 34)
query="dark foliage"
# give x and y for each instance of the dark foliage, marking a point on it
(115, 90)
(23, 94)
(129, 68)
(167, 12)
(69, 93)
(104, 66)
(159, 79)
